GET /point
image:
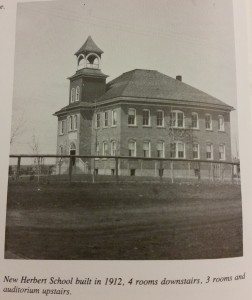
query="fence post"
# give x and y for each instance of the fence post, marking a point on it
(199, 175)
(18, 167)
(172, 178)
(117, 177)
(70, 169)
(161, 171)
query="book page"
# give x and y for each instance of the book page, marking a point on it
(125, 166)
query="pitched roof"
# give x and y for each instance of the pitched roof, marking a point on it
(152, 84)
(89, 46)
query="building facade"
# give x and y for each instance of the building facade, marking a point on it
(141, 113)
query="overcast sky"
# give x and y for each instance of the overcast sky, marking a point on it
(192, 38)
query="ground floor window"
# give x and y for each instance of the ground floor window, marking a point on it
(209, 151)
(177, 150)
(132, 148)
(222, 152)
(132, 172)
(196, 151)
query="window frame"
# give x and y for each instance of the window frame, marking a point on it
(135, 122)
(105, 152)
(148, 150)
(61, 127)
(206, 122)
(72, 96)
(198, 151)
(221, 128)
(211, 148)
(149, 117)
(134, 142)
(197, 121)
(163, 149)
(162, 112)
(224, 152)
(106, 119)
(97, 120)
(77, 94)
(113, 149)
(114, 120)
(175, 122)
(176, 143)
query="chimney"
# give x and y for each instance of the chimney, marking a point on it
(179, 77)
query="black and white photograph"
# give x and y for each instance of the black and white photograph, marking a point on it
(124, 139)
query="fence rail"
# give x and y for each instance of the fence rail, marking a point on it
(96, 168)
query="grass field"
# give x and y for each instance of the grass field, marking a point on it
(125, 221)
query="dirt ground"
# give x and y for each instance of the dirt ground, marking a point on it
(124, 221)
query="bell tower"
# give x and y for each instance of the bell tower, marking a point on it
(88, 83)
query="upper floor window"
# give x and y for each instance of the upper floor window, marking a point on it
(160, 118)
(105, 148)
(61, 127)
(196, 151)
(195, 120)
(208, 121)
(72, 95)
(221, 123)
(209, 151)
(222, 154)
(177, 150)
(114, 117)
(77, 96)
(160, 149)
(146, 117)
(132, 116)
(132, 148)
(113, 148)
(73, 122)
(146, 149)
(98, 120)
(177, 119)
(106, 113)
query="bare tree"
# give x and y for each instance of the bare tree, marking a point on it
(17, 128)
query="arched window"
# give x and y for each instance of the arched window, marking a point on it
(222, 152)
(77, 98)
(81, 62)
(72, 95)
(177, 119)
(93, 61)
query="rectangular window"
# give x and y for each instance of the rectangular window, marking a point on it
(113, 148)
(105, 148)
(160, 149)
(132, 116)
(222, 152)
(181, 150)
(160, 118)
(195, 120)
(114, 117)
(208, 121)
(195, 151)
(75, 122)
(221, 123)
(98, 120)
(146, 117)
(71, 123)
(180, 119)
(146, 149)
(173, 150)
(132, 148)
(61, 127)
(209, 151)
(106, 119)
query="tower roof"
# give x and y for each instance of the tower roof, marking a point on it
(89, 47)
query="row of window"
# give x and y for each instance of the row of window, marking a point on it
(177, 149)
(72, 124)
(177, 119)
(75, 94)
(106, 118)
